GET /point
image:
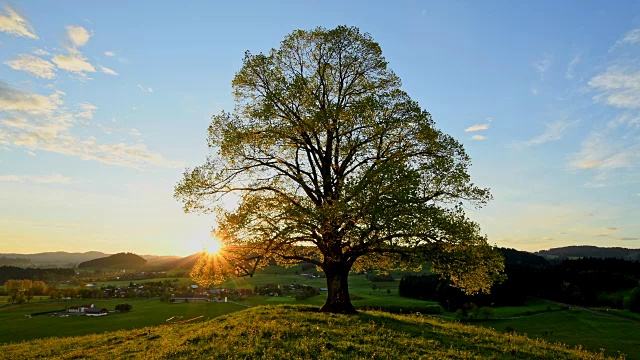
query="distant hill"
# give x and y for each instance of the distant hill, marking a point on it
(591, 251)
(121, 260)
(15, 261)
(57, 258)
(180, 263)
(157, 260)
(524, 258)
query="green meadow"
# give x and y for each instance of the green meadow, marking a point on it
(17, 325)
(537, 318)
(295, 332)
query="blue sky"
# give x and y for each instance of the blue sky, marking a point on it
(103, 105)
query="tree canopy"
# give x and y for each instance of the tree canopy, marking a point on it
(333, 164)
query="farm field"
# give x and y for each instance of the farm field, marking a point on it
(15, 325)
(577, 327)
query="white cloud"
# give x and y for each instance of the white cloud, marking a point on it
(78, 35)
(145, 89)
(34, 65)
(38, 122)
(18, 101)
(478, 137)
(86, 110)
(618, 87)
(12, 23)
(631, 37)
(600, 151)
(106, 70)
(41, 52)
(571, 67)
(48, 179)
(543, 65)
(109, 53)
(73, 63)
(477, 127)
(605, 153)
(135, 132)
(552, 132)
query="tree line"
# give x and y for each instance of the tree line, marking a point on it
(586, 282)
(20, 291)
(46, 275)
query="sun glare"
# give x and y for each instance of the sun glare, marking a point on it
(212, 246)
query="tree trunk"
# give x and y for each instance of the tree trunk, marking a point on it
(338, 290)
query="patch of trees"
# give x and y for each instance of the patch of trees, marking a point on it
(124, 307)
(46, 275)
(587, 282)
(120, 260)
(373, 277)
(305, 292)
(20, 291)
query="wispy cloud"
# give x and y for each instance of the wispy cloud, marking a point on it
(597, 151)
(47, 179)
(543, 65)
(38, 122)
(15, 100)
(479, 137)
(571, 67)
(13, 23)
(74, 61)
(86, 111)
(603, 153)
(109, 53)
(106, 70)
(41, 52)
(631, 37)
(477, 127)
(34, 65)
(145, 88)
(618, 87)
(553, 132)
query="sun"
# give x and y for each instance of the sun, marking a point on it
(212, 246)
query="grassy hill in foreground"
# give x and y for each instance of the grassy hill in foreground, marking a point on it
(294, 332)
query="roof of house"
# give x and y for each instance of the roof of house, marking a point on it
(97, 310)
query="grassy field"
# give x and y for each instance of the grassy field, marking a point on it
(577, 328)
(289, 332)
(537, 318)
(15, 325)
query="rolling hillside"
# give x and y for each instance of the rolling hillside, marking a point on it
(296, 332)
(121, 260)
(57, 258)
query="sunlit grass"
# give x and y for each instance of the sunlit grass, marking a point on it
(290, 332)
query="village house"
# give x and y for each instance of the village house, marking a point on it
(89, 310)
(97, 311)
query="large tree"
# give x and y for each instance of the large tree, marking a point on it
(331, 163)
